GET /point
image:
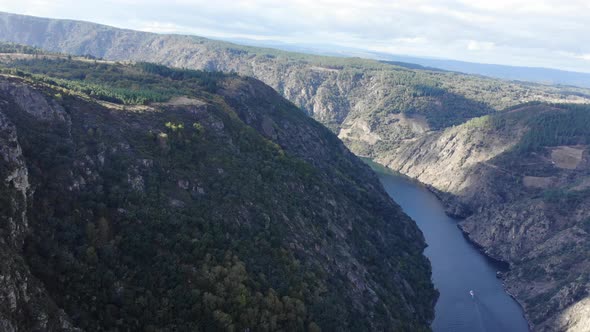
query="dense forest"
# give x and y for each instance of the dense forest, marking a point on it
(568, 127)
(231, 210)
(19, 48)
(140, 83)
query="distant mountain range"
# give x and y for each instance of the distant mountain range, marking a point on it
(518, 73)
(532, 74)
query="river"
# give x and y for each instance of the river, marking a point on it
(457, 267)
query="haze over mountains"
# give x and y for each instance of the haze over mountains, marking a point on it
(518, 73)
(512, 158)
(532, 74)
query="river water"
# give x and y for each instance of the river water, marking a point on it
(457, 267)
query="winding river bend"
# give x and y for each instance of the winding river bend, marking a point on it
(457, 267)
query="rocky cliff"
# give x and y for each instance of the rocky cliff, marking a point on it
(213, 204)
(25, 303)
(521, 179)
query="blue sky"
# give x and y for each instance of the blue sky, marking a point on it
(550, 33)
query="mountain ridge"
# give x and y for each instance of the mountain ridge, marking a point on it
(534, 74)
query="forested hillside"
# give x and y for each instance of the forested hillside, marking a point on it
(138, 197)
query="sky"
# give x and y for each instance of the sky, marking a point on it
(551, 33)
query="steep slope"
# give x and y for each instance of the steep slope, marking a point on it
(24, 303)
(522, 179)
(212, 204)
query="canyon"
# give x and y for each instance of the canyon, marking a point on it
(510, 158)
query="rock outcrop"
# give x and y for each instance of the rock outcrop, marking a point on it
(24, 303)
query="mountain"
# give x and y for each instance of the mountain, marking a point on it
(522, 180)
(139, 197)
(506, 72)
(345, 94)
(530, 74)
(443, 128)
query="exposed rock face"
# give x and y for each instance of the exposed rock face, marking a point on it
(33, 102)
(527, 208)
(16, 183)
(547, 248)
(456, 160)
(575, 318)
(24, 304)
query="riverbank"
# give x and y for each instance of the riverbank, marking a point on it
(506, 269)
(459, 265)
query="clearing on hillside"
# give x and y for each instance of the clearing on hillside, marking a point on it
(537, 182)
(567, 157)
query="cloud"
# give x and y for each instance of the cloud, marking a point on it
(474, 45)
(412, 40)
(160, 27)
(583, 56)
(552, 33)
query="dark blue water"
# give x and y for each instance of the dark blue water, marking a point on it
(457, 268)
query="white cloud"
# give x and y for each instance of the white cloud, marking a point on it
(584, 56)
(550, 7)
(411, 40)
(160, 27)
(474, 45)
